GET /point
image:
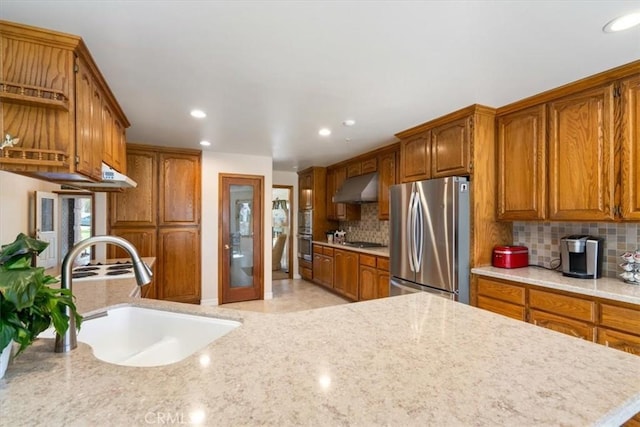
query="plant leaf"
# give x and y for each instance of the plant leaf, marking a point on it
(20, 286)
(21, 246)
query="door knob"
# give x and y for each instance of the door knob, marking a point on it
(227, 247)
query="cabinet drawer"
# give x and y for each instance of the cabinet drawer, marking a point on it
(625, 319)
(565, 325)
(506, 309)
(368, 260)
(317, 249)
(575, 308)
(328, 251)
(383, 264)
(500, 290)
(619, 340)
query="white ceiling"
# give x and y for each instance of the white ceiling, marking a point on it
(269, 74)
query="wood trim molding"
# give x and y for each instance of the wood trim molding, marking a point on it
(159, 149)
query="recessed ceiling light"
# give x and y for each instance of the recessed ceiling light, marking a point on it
(324, 132)
(295, 167)
(205, 143)
(622, 23)
(198, 114)
(349, 122)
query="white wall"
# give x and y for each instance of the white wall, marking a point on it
(16, 192)
(214, 164)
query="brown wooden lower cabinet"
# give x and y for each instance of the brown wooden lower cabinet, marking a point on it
(574, 328)
(501, 307)
(305, 269)
(619, 340)
(179, 253)
(374, 277)
(323, 265)
(346, 272)
(611, 323)
(368, 283)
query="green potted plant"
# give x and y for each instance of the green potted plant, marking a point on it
(28, 305)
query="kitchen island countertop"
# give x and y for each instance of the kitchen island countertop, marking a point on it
(416, 359)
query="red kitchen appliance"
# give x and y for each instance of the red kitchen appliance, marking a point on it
(510, 256)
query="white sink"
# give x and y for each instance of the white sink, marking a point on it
(135, 336)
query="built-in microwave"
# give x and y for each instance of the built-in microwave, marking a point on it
(305, 221)
(305, 246)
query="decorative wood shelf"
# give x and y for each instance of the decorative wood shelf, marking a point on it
(33, 95)
(34, 157)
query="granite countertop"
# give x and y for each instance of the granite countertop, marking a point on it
(606, 287)
(416, 359)
(380, 251)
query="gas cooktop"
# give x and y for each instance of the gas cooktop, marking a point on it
(101, 271)
(364, 244)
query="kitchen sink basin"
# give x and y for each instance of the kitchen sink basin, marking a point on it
(136, 336)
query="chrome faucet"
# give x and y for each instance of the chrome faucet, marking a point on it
(69, 340)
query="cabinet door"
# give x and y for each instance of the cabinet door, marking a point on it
(136, 206)
(619, 340)
(345, 278)
(331, 191)
(386, 178)
(179, 264)
(305, 188)
(522, 177)
(630, 178)
(120, 147)
(327, 271)
(354, 169)
(415, 158)
(306, 269)
(383, 283)
(581, 156)
(369, 166)
(144, 241)
(88, 123)
(564, 325)
(108, 139)
(368, 283)
(450, 146)
(179, 189)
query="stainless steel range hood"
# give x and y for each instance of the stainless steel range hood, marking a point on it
(110, 179)
(359, 189)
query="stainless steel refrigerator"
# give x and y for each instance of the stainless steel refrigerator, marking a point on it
(429, 237)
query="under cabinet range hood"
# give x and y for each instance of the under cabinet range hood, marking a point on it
(359, 189)
(111, 178)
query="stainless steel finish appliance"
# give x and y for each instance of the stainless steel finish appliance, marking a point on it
(305, 246)
(305, 221)
(581, 256)
(429, 238)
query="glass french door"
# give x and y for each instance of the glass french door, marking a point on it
(240, 238)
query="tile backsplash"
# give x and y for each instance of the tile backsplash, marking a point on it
(543, 240)
(369, 228)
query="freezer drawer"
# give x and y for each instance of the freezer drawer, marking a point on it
(403, 287)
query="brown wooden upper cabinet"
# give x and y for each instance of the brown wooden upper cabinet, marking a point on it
(439, 148)
(415, 157)
(450, 148)
(305, 189)
(630, 177)
(179, 180)
(339, 211)
(522, 178)
(576, 133)
(387, 173)
(56, 102)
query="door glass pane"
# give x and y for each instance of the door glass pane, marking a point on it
(241, 236)
(47, 215)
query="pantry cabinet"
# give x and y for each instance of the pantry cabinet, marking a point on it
(54, 99)
(586, 135)
(387, 172)
(162, 214)
(522, 177)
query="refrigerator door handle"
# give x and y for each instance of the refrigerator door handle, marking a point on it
(410, 232)
(419, 225)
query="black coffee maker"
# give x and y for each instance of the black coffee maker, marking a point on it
(581, 256)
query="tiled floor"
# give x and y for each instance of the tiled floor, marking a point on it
(291, 295)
